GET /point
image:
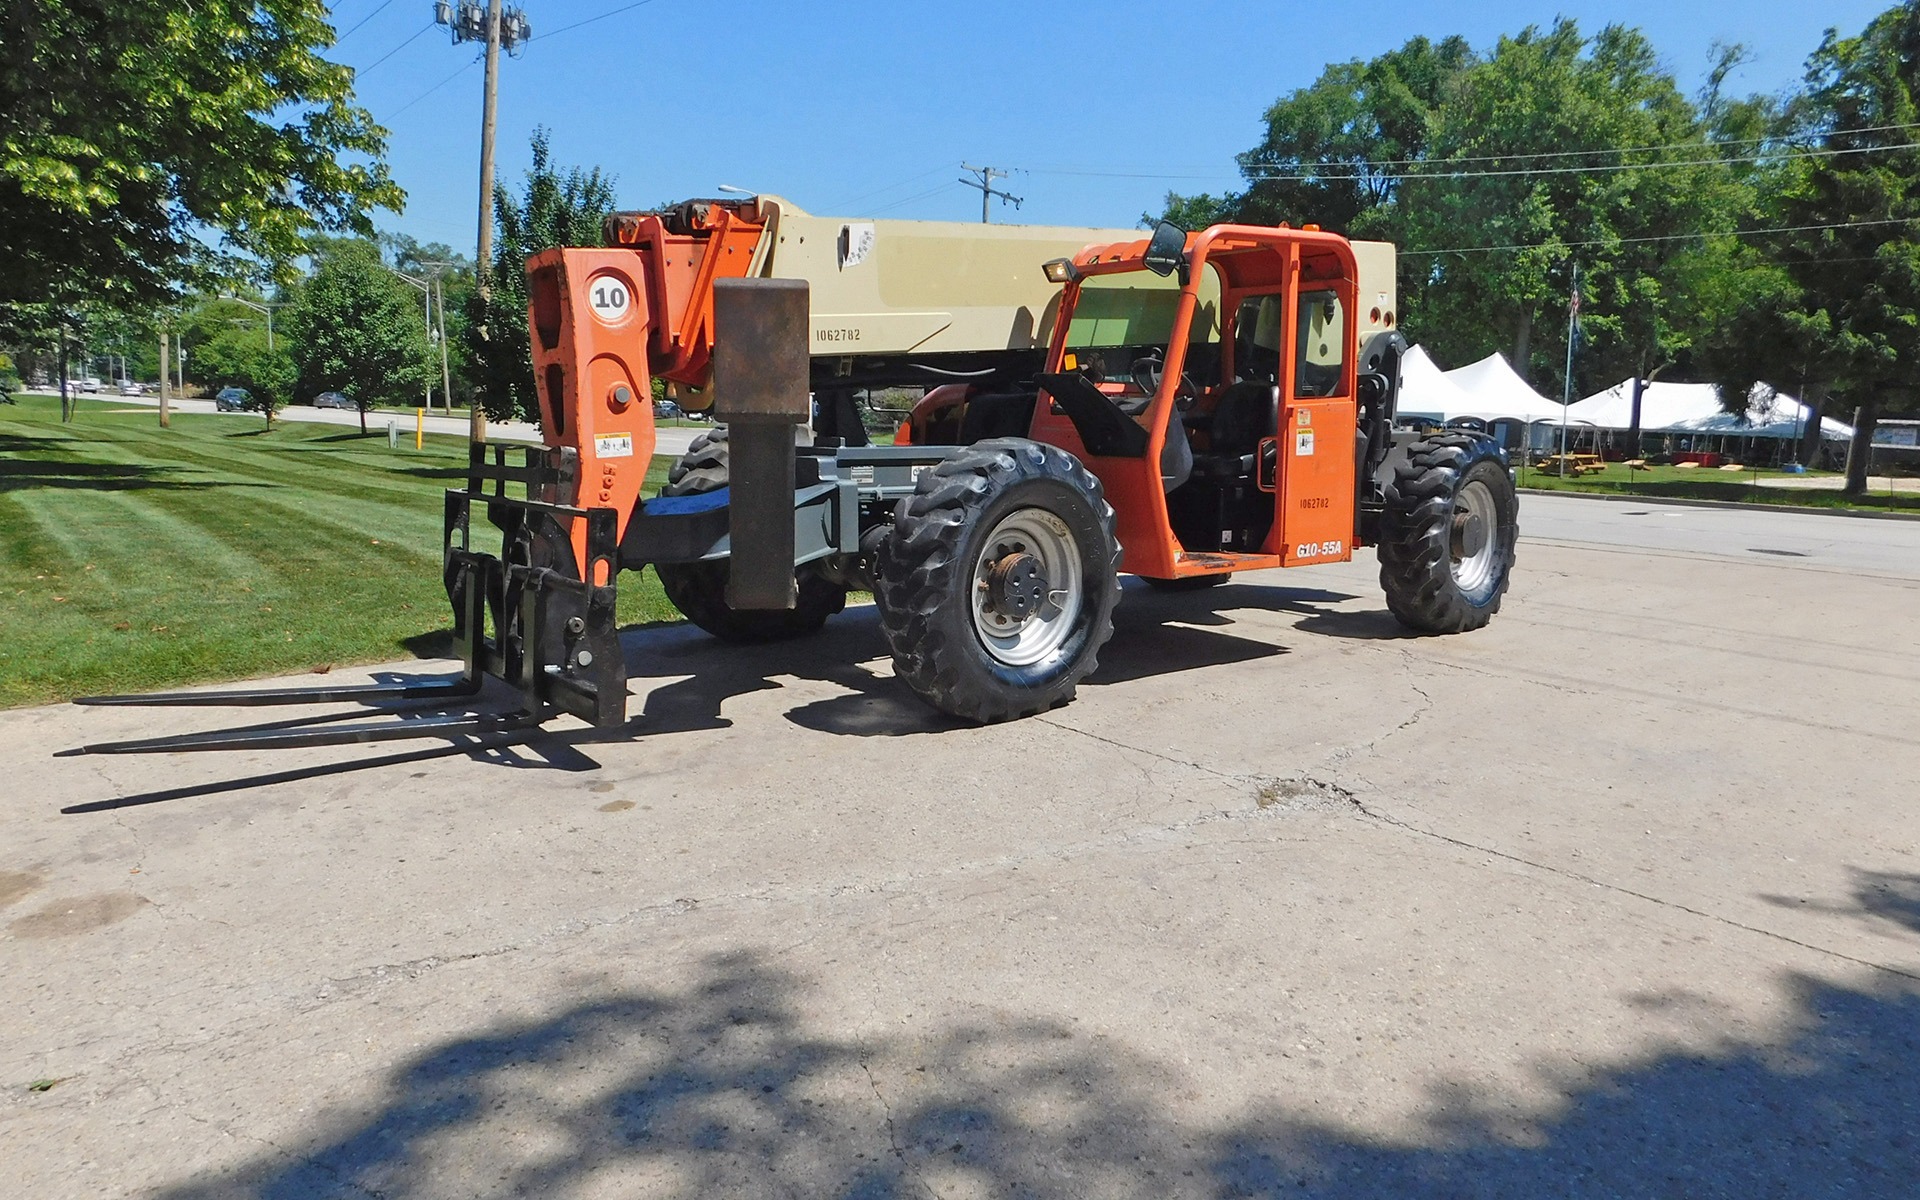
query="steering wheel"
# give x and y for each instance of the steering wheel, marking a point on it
(1146, 374)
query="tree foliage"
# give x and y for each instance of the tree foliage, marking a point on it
(1856, 252)
(554, 208)
(1496, 173)
(358, 328)
(226, 344)
(135, 133)
(1335, 153)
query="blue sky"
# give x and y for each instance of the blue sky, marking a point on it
(868, 108)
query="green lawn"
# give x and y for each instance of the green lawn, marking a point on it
(134, 557)
(1703, 483)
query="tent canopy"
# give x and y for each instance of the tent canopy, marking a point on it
(1488, 390)
(1496, 386)
(1491, 390)
(1695, 408)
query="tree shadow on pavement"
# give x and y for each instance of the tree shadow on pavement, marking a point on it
(724, 1087)
(1879, 898)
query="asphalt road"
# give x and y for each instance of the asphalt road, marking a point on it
(1619, 896)
(1874, 544)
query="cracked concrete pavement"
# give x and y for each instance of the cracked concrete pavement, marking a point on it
(1620, 896)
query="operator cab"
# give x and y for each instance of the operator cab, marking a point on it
(1209, 381)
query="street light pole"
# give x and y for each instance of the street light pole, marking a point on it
(440, 298)
(260, 308)
(427, 292)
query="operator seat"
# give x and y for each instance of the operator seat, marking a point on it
(1245, 413)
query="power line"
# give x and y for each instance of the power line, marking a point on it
(1343, 172)
(866, 196)
(471, 64)
(590, 20)
(1602, 168)
(910, 199)
(378, 9)
(397, 49)
(1195, 172)
(1671, 237)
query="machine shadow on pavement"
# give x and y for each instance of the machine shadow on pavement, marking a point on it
(724, 1087)
(1154, 634)
(683, 679)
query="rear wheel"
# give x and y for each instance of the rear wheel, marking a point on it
(997, 583)
(1449, 532)
(699, 589)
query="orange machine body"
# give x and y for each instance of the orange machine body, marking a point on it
(1313, 488)
(590, 323)
(677, 271)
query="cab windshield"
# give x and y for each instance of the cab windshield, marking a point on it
(1120, 318)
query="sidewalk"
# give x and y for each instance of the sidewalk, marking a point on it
(667, 441)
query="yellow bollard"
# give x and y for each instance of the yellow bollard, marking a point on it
(419, 427)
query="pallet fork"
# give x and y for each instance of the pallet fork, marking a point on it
(525, 616)
(540, 615)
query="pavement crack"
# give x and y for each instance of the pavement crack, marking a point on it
(1425, 706)
(1619, 890)
(886, 1113)
(1163, 757)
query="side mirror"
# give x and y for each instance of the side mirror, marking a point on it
(1166, 249)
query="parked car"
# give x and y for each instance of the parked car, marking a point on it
(91, 383)
(665, 410)
(334, 400)
(129, 388)
(233, 399)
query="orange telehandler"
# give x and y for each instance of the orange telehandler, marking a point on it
(1184, 407)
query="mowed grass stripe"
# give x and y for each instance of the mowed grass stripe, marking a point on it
(218, 553)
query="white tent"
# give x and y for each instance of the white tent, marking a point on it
(1488, 391)
(1426, 392)
(1498, 391)
(1695, 408)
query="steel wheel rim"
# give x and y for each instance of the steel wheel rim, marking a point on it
(1473, 572)
(1022, 642)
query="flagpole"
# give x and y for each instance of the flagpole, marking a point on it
(1566, 390)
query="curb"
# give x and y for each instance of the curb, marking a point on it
(1750, 506)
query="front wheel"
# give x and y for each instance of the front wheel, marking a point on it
(997, 583)
(1449, 533)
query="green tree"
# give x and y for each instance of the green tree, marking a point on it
(136, 135)
(454, 278)
(358, 328)
(1334, 152)
(1553, 150)
(1856, 253)
(227, 346)
(553, 209)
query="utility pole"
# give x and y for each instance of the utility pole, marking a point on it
(166, 417)
(1566, 387)
(498, 28)
(983, 179)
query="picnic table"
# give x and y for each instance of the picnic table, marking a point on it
(1570, 464)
